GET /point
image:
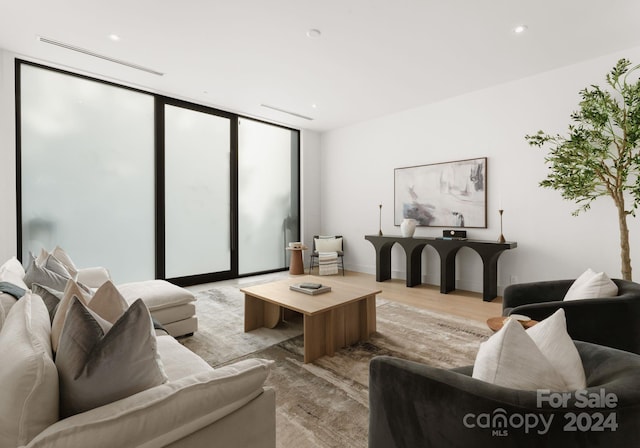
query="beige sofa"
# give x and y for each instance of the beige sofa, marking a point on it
(197, 407)
(170, 305)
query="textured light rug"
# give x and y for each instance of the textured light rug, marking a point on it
(325, 403)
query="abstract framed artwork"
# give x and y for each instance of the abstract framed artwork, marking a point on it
(448, 194)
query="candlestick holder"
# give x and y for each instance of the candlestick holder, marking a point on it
(380, 221)
(501, 237)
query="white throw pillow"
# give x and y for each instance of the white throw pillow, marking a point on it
(28, 375)
(13, 272)
(108, 303)
(591, 285)
(510, 358)
(328, 244)
(106, 306)
(64, 258)
(70, 291)
(551, 337)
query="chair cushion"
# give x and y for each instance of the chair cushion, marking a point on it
(551, 337)
(177, 360)
(325, 244)
(28, 375)
(163, 414)
(591, 285)
(87, 355)
(510, 358)
(156, 294)
(555, 354)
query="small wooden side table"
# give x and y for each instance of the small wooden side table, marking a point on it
(496, 323)
(296, 265)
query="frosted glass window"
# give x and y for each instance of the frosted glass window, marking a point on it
(268, 210)
(87, 174)
(197, 193)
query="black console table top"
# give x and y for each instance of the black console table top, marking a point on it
(489, 252)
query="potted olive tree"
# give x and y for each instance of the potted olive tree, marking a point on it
(600, 155)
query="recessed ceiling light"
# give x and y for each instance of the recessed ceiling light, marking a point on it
(520, 29)
(114, 37)
(314, 105)
(314, 33)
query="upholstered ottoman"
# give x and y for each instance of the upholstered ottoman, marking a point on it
(174, 307)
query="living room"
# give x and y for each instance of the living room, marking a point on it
(347, 171)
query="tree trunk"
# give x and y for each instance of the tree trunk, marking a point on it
(625, 256)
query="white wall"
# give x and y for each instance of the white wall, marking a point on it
(357, 174)
(310, 186)
(7, 159)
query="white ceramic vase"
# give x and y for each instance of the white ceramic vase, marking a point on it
(408, 227)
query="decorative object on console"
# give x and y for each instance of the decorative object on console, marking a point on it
(408, 227)
(501, 237)
(599, 157)
(380, 221)
(449, 194)
(454, 234)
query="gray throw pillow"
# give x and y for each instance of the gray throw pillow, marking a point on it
(95, 368)
(44, 276)
(55, 265)
(50, 296)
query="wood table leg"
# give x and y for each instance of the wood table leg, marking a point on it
(253, 313)
(272, 315)
(258, 313)
(315, 340)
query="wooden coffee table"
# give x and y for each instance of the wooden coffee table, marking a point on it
(332, 320)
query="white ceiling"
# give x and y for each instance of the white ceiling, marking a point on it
(374, 57)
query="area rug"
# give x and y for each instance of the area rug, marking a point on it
(325, 403)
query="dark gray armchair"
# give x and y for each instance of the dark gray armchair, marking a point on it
(613, 321)
(413, 405)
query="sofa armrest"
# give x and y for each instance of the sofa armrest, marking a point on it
(612, 322)
(535, 292)
(93, 277)
(163, 414)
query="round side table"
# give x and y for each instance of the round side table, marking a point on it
(496, 323)
(296, 265)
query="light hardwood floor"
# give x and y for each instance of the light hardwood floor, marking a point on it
(459, 303)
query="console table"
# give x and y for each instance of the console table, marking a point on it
(489, 251)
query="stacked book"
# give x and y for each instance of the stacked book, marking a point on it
(310, 288)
